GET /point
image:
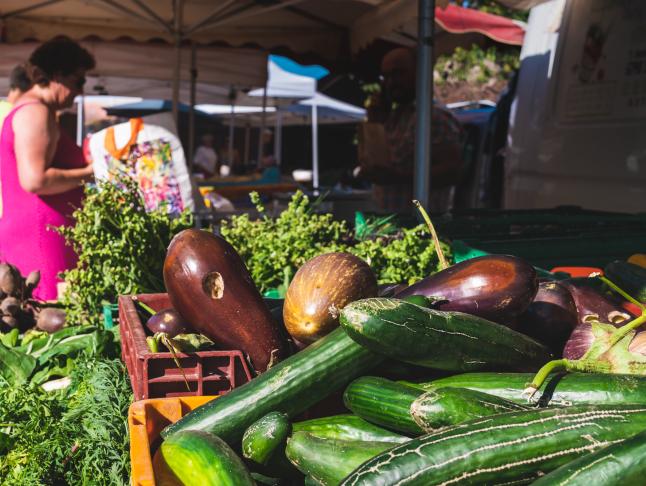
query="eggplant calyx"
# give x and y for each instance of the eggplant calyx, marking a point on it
(213, 285)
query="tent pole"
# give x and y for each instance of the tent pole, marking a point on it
(262, 125)
(315, 148)
(177, 7)
(247, 141)
(278, 137)
(80, 120)
(191, 113)
(422, 180)
(231, 135)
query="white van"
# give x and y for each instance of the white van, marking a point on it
(577, 133)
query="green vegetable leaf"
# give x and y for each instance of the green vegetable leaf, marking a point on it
(15, 367)
(10, 339)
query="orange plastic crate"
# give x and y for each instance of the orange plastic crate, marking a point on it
(156, 375)
(146, 419)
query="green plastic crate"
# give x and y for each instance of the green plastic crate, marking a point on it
(110, 315)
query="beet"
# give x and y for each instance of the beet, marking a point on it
(50, 319)
(168, 321)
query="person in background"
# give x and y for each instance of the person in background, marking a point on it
(41, 168)
(205, 160)
(395, 108)
(19, 83)
(230, 159)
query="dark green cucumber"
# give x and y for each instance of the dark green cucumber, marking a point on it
(450, 341)
(559, 389)
(291, 387)
(328, 461)
(198, 458)
(623, 463)
(629, 277)
(347, 427)
(383, 402)
(265, 437)
(448, 406)
(510, 448)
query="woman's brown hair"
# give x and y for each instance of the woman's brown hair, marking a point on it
(60, 56)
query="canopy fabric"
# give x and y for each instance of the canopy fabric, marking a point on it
(139, 69)
(284, 84)
(333, 110)
(315, 26)
(521, 4)
(397, 21)
(147, 107)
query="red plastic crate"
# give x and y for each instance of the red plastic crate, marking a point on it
(156, 375)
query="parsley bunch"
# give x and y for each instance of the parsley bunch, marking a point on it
(275, 248)
(120, 247)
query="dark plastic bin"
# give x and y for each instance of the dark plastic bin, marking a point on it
(564, 236)
(156, 375)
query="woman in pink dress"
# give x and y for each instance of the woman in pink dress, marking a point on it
(41, 168)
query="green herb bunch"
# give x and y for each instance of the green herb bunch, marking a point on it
(120, 247)
(405, 258)
(272, 247)
(74, 436)
(275, 248)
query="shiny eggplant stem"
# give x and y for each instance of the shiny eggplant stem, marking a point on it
(582, 365)
(145, 307)
(438, 249)
(622, 292)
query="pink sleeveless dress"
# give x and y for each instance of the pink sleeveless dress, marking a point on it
(25, 238)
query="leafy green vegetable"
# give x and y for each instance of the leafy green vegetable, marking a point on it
(77, 436)
(275, 248)
(120, 247)
(10, 339)
(15, 367)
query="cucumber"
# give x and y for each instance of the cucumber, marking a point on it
(510, 448)
(291, 387)
(559, 389)
(328, 461)
(621, 463)
(198, 458)
(383, 402)
(451, 341)
(265, 436)
(629, 277)
(347, 427)
(443, 407)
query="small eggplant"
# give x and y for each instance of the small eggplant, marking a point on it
(494, 287)
(551, 317)
(591, 305)
(168, 321)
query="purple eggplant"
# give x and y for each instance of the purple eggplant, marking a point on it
(551, 317)
(591, 305)
(495, 287)
(168, 321)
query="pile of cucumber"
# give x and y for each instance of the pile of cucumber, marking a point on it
(474, 427)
